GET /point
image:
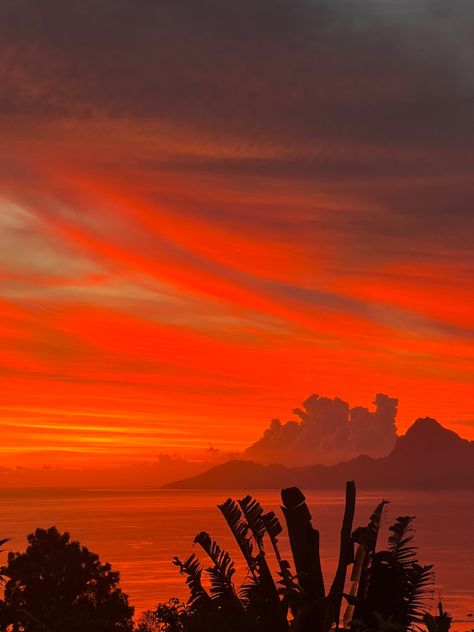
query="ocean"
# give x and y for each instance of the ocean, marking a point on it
(140, 530)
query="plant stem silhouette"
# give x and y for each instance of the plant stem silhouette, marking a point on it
(389, 588)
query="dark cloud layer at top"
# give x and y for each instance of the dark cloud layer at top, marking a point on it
(370, 94)
(292, 70)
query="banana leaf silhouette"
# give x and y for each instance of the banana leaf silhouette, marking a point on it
(395, 585)
(389, 588)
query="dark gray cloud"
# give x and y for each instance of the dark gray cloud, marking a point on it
(328, 431)
(374, 97)
(294, 71)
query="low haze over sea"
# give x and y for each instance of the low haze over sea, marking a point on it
(140, 530)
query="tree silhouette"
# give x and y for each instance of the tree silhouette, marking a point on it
(64, 588)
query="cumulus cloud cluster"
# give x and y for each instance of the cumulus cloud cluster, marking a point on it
(329, 431)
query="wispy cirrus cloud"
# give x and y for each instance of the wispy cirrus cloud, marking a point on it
(208, 210)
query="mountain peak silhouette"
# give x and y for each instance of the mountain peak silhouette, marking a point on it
(427, 456)
(427, 427)
(425, 439)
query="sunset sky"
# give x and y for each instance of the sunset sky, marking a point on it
(211, 209)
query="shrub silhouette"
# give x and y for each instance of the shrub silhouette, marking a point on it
(64, 588)
(2, 542)
(8, 615)
(388, 590)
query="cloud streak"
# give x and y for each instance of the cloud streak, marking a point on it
(207, 208)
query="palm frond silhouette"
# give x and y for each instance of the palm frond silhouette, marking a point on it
(389, 589)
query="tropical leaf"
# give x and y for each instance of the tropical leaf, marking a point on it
(272, 525)
(389, 591)
(260, 589)
(304, 542)
(417, 580)
(254, 515)
(261, 523)
(248, 589)
(418, 589)
(221, 573)
(397, 584)
(401, 537)
(438, 623)
(253, 512)
(368, 535)
(240, 530)
(346, 557)
(289, 588)
(366, 538)
(193, 571)
(243, 536)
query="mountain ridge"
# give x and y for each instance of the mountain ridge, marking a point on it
(427, 456)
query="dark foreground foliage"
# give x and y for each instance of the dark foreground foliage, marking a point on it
(57, 585)
(389, 589)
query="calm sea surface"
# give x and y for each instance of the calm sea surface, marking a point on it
(139, 531)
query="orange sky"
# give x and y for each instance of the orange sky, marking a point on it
(174, 274)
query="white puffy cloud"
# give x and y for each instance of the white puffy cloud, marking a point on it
(329, 431)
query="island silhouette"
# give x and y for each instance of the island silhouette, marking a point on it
(428, 456)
